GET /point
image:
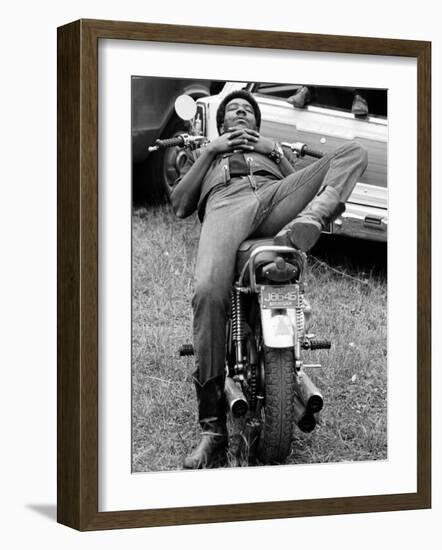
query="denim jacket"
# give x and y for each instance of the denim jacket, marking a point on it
(219, 174)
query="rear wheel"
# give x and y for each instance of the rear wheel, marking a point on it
(277, 428)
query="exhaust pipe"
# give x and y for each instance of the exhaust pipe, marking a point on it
(308, 392)
(305, 420)
(236, 401)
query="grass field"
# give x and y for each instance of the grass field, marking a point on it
(347, 289)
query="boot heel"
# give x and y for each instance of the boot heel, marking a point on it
(305, 234)
(302, 234)
(304, 231)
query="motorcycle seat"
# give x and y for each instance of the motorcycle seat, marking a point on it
(247, 247)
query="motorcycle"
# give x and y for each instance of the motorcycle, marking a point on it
(266, 381)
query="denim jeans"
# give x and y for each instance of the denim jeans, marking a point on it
(240, 210)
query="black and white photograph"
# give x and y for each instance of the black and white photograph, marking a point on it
(259, 274)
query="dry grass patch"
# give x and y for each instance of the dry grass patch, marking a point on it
(352, 314)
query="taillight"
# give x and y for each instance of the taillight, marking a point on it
(280, 271)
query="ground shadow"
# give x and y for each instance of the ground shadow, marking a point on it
(354, 255)
(47, 510)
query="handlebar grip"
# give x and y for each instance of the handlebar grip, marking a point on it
(171, 142)
(312, 152)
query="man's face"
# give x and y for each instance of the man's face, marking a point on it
(239, 113)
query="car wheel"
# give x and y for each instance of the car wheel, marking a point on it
(173, 161)
(163, 165)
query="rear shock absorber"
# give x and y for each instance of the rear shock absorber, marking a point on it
(238, 327)
(300, 328)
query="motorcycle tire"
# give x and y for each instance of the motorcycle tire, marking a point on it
(276, 433)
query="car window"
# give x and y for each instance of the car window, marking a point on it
(340, 98)
(276, 90)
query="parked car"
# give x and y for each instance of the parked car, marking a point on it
(153, 117)
(324, 126)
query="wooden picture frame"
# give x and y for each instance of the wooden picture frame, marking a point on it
(78, 428)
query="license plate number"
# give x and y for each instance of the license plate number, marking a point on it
(279, 297)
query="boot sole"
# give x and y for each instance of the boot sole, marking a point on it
(218, 457)
(301, 235)
(217, 461)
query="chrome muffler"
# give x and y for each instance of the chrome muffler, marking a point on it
(235, 398)
(304, 419)
(310, 395)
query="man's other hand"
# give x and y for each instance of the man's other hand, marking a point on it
(243, 139)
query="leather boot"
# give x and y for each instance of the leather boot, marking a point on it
(304, 231)
(212, 418)
(301, 98)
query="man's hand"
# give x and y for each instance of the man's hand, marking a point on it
(259, 143)
(243, 139)
(229, 141)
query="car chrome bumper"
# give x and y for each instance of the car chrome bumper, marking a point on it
(361, 222)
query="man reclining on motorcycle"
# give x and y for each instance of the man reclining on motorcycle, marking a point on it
(244, 185)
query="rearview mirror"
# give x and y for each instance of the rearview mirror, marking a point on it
(185, 107)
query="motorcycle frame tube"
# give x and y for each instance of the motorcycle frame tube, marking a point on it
(273, 248)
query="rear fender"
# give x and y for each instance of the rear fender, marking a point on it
(278, 327)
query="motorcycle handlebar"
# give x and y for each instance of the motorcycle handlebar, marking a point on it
(185, 140)
(303, 149)
(313, 152)
(182, 140)
(165, 143)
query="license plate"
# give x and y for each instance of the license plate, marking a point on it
(279, 297)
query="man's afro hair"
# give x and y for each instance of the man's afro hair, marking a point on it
(244, 94)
